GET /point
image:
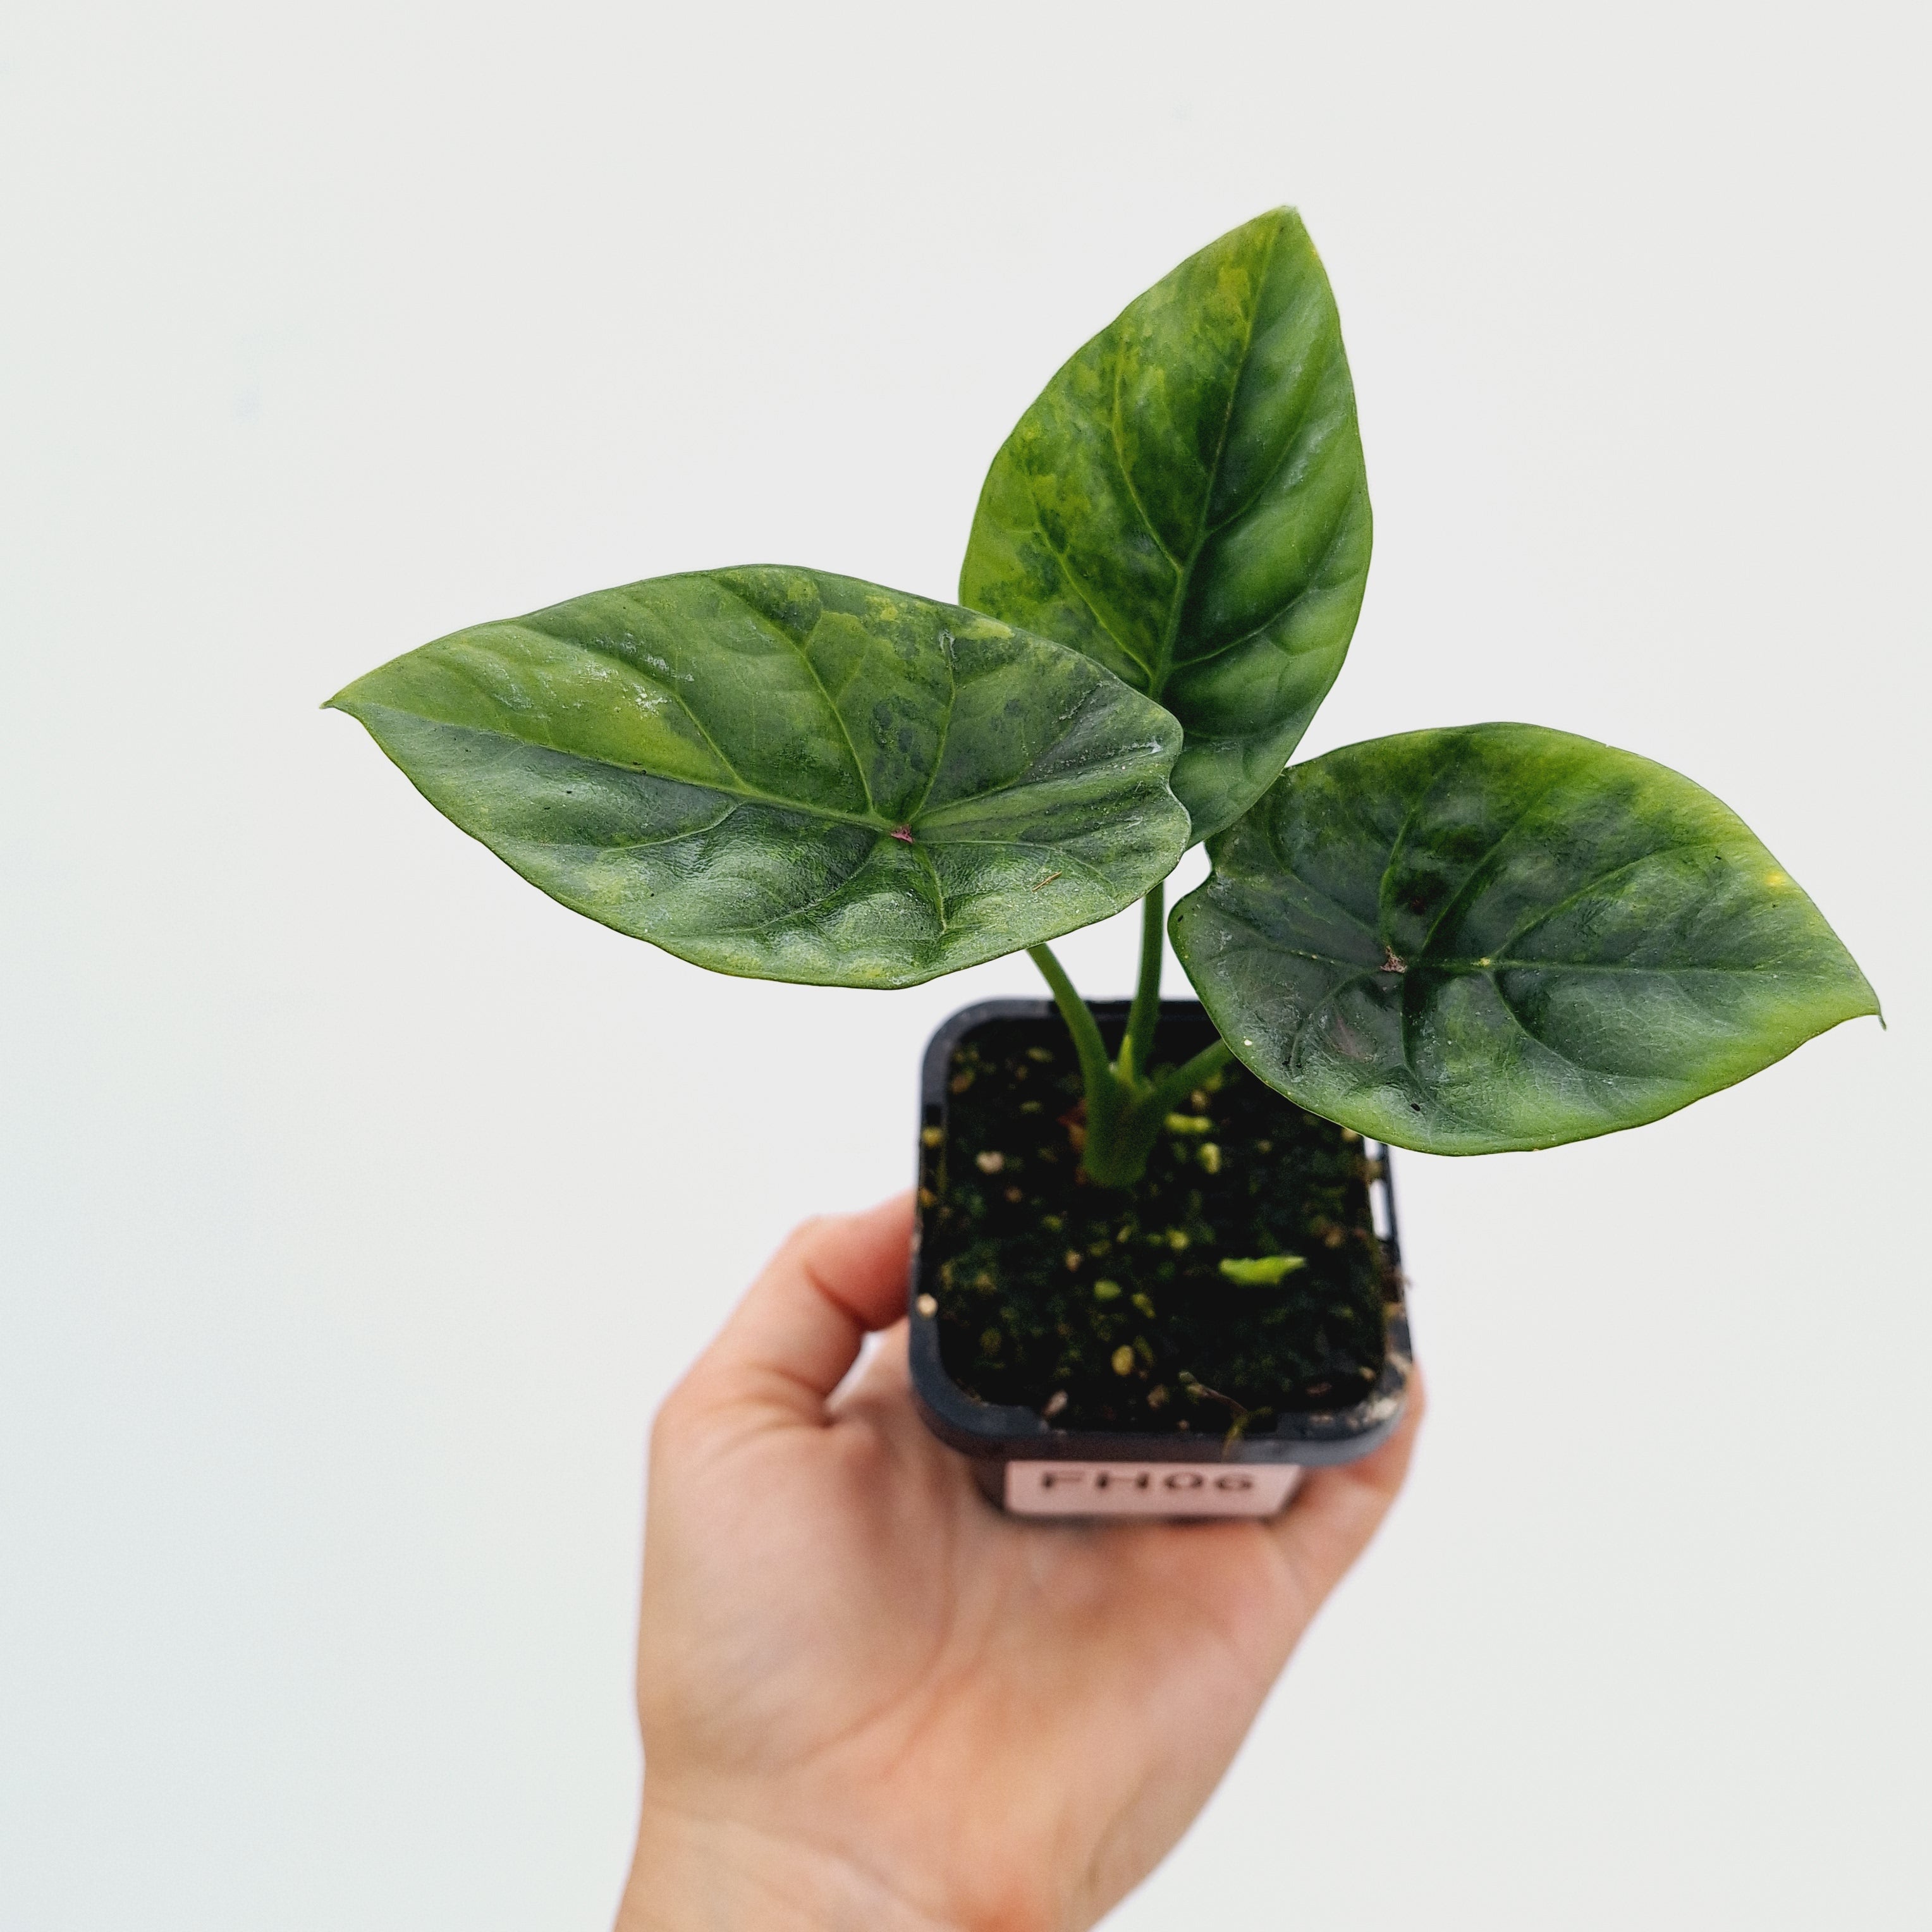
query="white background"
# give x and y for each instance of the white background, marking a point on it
(358, 1204)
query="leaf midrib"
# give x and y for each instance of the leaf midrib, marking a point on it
(1163, 668)
(934, 822)
(751, 794)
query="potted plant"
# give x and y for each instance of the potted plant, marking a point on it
(1156, 1268)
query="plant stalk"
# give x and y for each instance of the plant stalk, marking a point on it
(1145, 1015)
(1103, 1092)
(1125, 1105)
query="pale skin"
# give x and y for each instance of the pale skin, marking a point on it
(869, 1700)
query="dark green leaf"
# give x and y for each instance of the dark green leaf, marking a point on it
(1501, 937)
(1186, 502)
(791, 775)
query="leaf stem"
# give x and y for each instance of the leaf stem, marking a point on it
(1080, 1020)
(1144, 1014)
(1125, 1109)
(1190, 1074)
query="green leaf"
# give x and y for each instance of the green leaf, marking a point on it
(1501, 937)
(1260, 1270)
(791, 775)
(1186, 502)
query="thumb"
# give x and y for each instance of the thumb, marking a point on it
(1330, 1522)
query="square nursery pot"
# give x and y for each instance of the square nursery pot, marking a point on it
(1183, 1348)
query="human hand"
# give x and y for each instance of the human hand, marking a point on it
(870, 1700)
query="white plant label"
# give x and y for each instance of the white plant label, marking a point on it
(1149, 1488)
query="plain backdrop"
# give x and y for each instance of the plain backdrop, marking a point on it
(359, 1204)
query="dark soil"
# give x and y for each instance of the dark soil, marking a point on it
(1109, 1308)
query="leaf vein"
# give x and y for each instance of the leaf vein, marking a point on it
(1022, 778)
(804, 651)
(1171, 630)
(1604, 878)
(945, 731)
(1476, 871)
(1309, 586)
(1079, 590)
(1126, 475)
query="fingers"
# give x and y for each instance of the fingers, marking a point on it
(797, 1330)
(1329, 1523)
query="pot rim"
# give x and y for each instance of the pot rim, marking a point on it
(1006, 1430)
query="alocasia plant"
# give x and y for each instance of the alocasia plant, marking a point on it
(1467, 940)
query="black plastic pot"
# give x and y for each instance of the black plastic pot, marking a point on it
(1029, 1466)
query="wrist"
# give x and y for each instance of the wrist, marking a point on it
(700, 1873)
